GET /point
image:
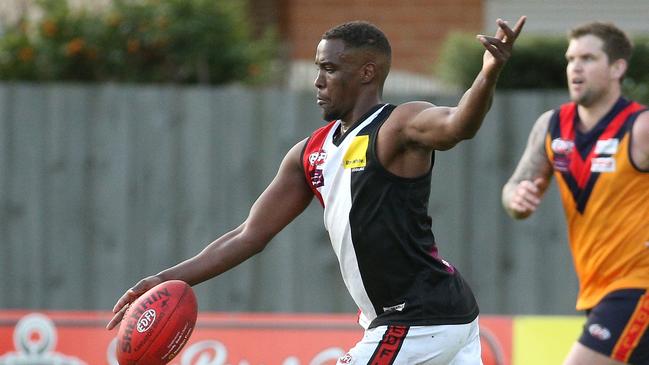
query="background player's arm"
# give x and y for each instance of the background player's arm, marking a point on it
(640, 152)
(441, 128)
(522, 194)
(283, 200)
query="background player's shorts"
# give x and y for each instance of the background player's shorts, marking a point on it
(417, 345)
(617, 326)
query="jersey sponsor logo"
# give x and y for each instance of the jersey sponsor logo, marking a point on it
(561, 163)
(602, 164)
(389, 347)
(317, 178)
(356, 155)
(395, 308)
(607, 146)
(562, 149)
(562, 146)
(599, 332)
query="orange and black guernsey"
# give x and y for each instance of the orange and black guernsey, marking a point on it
(605, 198)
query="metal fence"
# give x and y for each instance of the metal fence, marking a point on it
(103, 184)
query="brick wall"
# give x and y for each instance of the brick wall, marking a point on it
(416, 28)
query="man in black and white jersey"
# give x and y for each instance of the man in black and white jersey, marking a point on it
(370, 168)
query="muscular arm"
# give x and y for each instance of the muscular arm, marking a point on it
(283, 200)
(443, 127)
(640, 149)
(522, 194)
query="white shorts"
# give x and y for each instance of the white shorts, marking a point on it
(417, 345)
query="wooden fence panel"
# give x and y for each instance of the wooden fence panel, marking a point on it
(103, 184)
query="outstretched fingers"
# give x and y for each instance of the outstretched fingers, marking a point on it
(117, 317)
(500, 45)
(127, 298)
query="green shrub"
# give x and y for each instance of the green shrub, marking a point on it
(183, 41)
(537, 63)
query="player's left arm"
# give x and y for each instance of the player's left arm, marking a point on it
(640, 145)
(441, 128)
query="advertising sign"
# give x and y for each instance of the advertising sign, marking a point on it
(80, 338)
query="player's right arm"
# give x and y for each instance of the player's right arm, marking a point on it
(522, 194)
(283, 200)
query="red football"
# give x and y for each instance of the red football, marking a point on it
(157, 325)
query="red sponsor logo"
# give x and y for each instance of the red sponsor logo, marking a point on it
(634, 330)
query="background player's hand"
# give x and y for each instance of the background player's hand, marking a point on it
(499, 47)
(133, 293)
(527, 197)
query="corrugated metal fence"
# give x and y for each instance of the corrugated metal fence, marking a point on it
(103, 184)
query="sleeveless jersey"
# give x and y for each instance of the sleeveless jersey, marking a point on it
(605, 199)
(380, 230)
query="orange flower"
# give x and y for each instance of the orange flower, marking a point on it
(49, 28)
(133, 45)
(26, 54)
(74, 46)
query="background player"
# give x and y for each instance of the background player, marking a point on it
(597, 146)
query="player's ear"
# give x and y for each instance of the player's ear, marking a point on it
(618, 68)
(368, 72)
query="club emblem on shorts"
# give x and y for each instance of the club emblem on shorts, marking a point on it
(599, 332)
(345, 359)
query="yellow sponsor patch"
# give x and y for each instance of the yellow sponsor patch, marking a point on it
(356, 155)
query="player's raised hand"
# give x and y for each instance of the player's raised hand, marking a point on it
(499, 47)
(133, 293)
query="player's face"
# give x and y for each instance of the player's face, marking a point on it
(590, 75)
(337, 81)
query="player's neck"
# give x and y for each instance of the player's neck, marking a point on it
(363, 105)
(590, 115)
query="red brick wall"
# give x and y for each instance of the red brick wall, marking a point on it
(416, 28)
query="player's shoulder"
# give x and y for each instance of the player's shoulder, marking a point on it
(411, 108)
(643, 116)
(406, 112)
(543, 121)
(641, 124)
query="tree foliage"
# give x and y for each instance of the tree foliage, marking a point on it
(181, 41)
(537, 63)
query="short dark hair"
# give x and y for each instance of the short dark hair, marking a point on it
(361, 34)
(617, 44)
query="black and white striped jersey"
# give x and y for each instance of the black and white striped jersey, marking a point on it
(380, 230)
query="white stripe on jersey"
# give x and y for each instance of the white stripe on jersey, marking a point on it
(336, 195)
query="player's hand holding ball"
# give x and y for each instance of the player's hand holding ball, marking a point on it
(157, 319)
